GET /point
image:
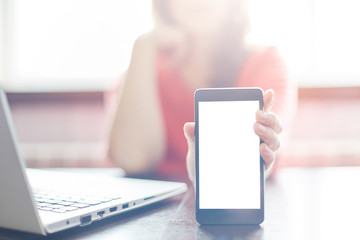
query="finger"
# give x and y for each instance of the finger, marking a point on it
(268, 136)
(267, 154)
(268, 100)
(270, 120)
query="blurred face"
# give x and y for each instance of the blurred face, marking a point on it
(198, 16)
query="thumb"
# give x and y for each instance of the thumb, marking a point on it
(189, 131)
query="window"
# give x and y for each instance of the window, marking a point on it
(319, 38)
(70, 44)
(67, 45)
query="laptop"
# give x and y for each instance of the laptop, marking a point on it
(44, 202)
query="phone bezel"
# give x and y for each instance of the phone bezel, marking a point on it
(227, 216)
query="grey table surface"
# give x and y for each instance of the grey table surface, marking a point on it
(313, 203)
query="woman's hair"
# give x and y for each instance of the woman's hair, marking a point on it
(230, 51)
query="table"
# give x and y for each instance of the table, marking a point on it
(300, 203)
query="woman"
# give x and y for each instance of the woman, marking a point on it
(193, 44)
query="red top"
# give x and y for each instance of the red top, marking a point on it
(264, 68)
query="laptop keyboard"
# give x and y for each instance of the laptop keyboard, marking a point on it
(60, 203)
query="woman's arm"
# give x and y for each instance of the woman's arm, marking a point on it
(137, 138)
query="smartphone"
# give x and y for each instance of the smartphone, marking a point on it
(229, 167)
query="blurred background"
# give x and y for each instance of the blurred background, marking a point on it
(59, 58)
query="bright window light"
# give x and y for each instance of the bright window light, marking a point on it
(318, 38)
(70, 45)
(67, 44)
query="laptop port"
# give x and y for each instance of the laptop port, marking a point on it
(113, 209)
(148, 198)
(125, 205)
(101, 214)
(85, 220)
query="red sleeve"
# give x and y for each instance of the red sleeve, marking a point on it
(177, 103)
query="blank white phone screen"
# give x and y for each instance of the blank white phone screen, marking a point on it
(229, 157)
